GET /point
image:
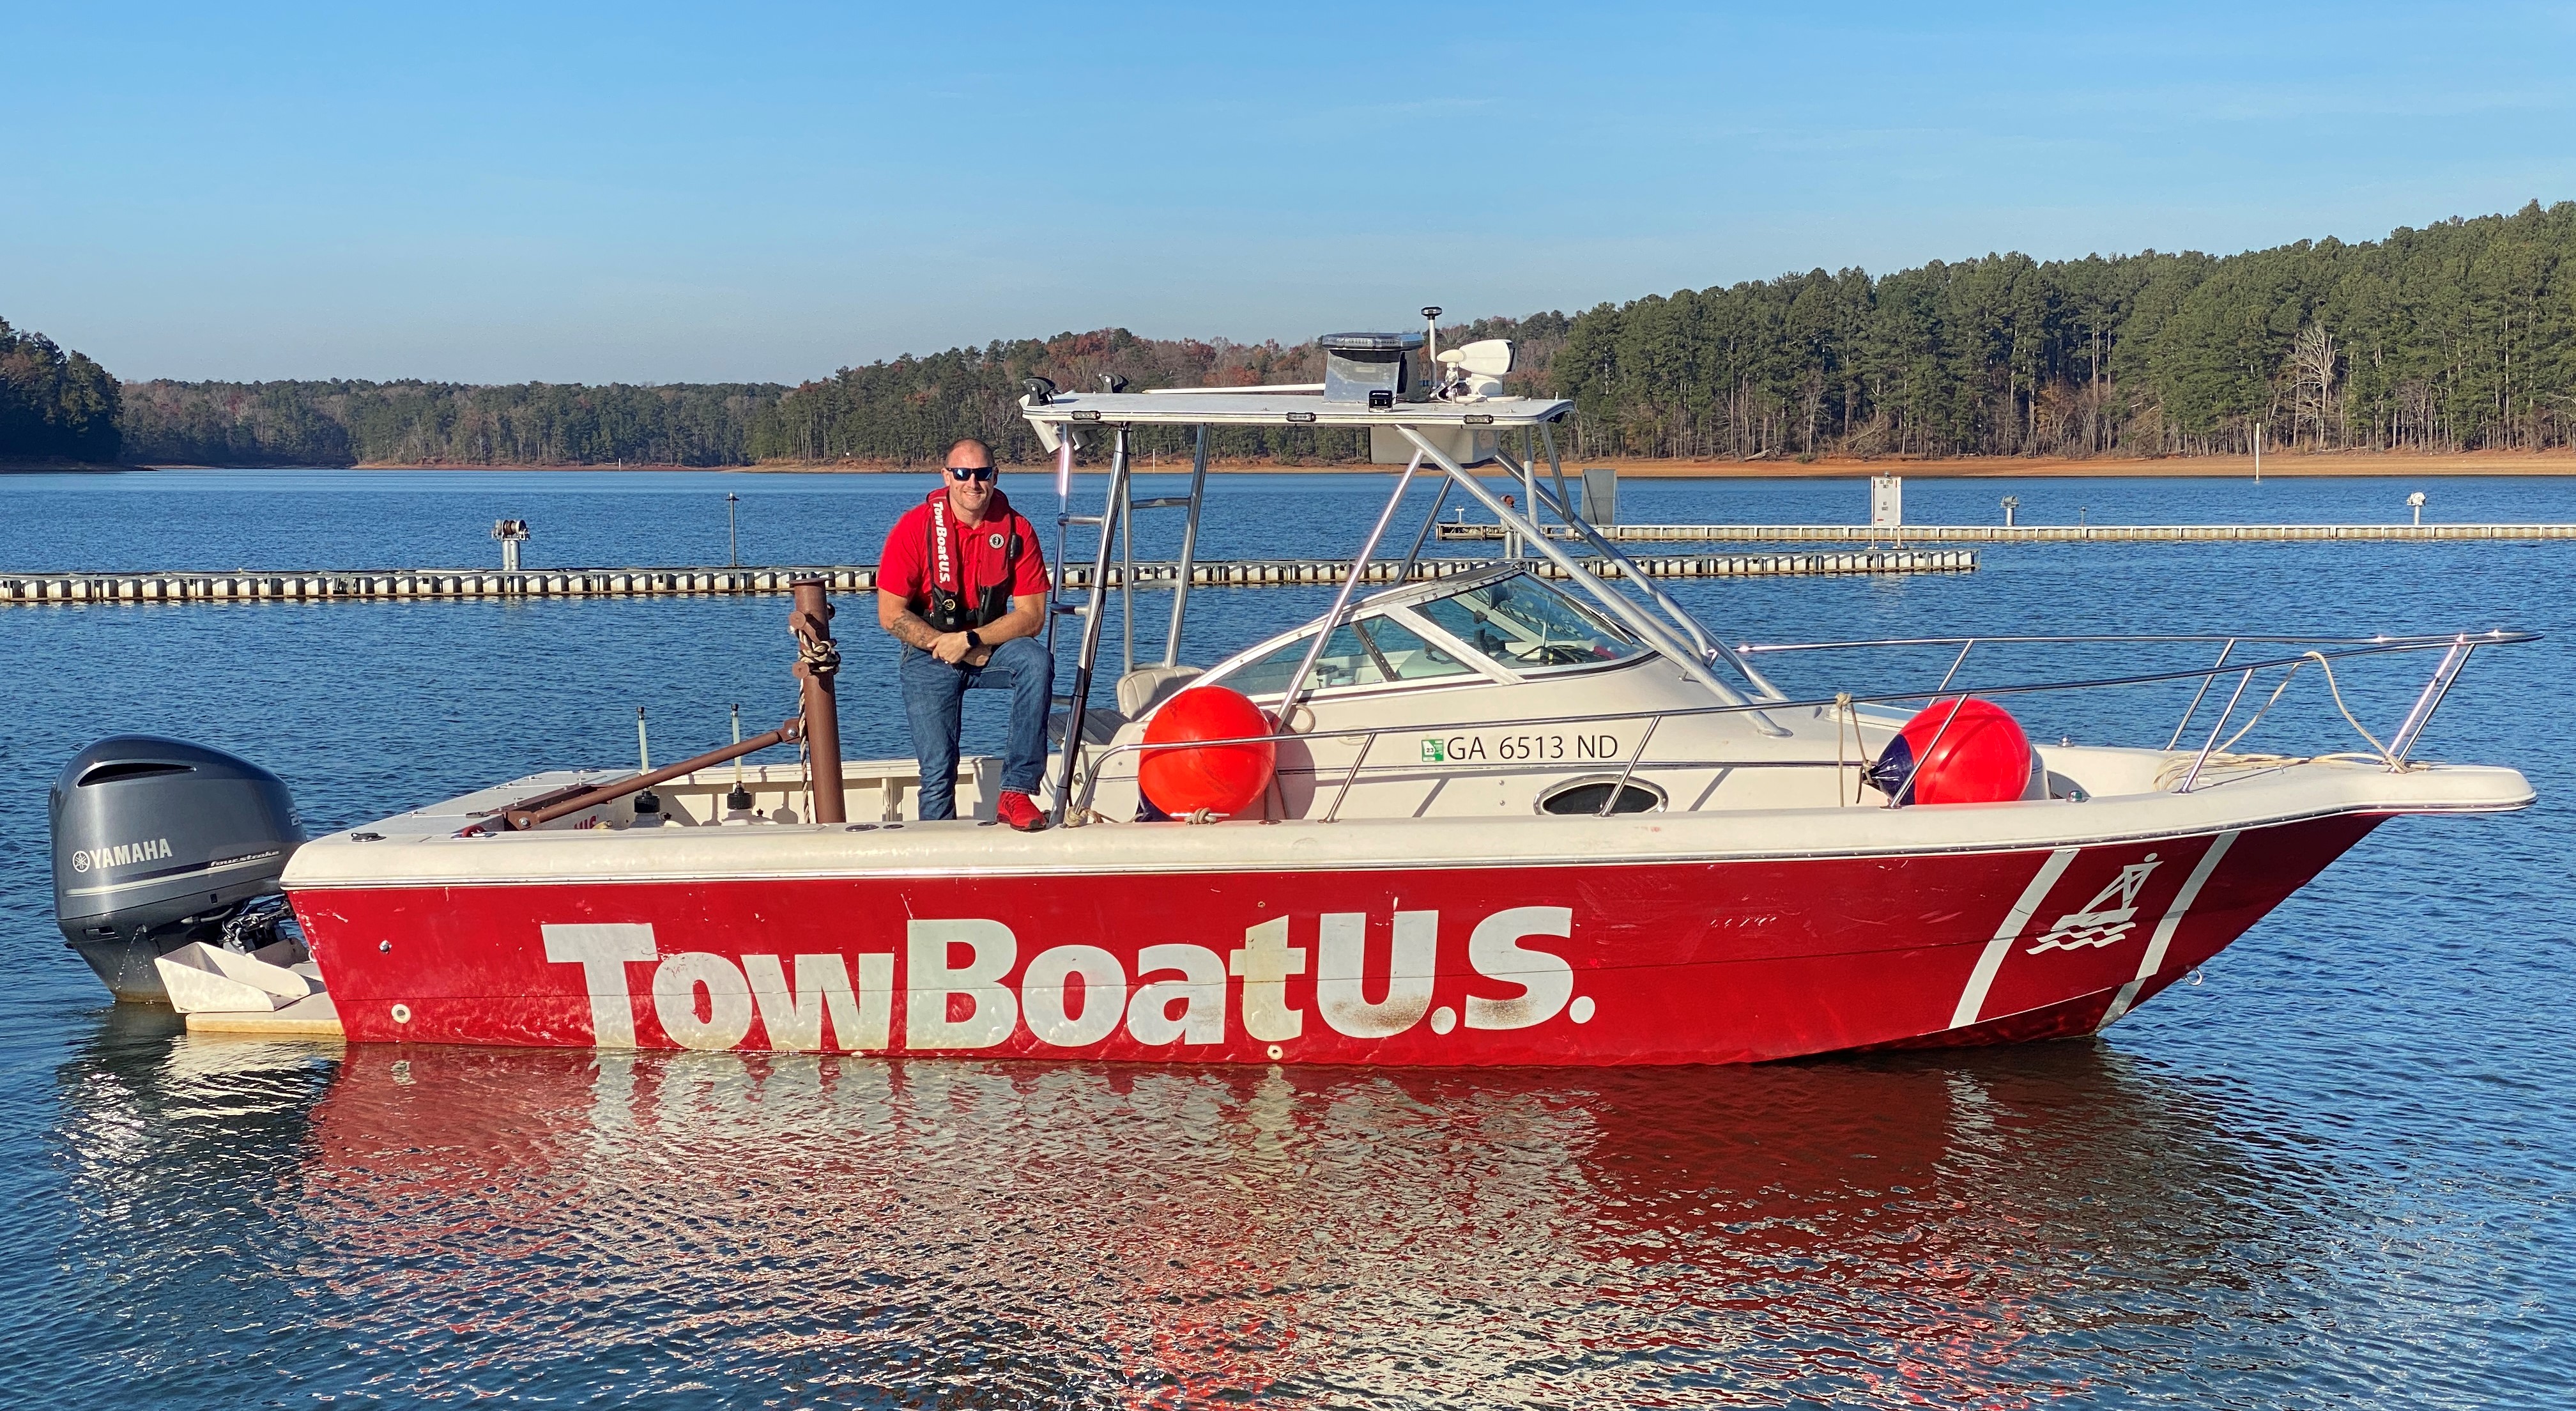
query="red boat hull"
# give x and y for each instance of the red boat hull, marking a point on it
(1606, 963)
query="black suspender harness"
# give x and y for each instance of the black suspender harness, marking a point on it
(971, 608)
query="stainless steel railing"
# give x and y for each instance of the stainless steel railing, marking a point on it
(2456, 648)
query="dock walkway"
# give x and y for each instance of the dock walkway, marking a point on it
(448, 584)
(2037, 533)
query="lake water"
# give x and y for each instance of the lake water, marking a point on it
(2335, 1173)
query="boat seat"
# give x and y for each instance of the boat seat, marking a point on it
(1146, 687)
(1100, 725)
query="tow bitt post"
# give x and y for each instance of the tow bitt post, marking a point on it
(818, 661)
(817, 723)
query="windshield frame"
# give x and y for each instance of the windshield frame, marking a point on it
(1480, 669)
(1416, 605)
(1403, 605)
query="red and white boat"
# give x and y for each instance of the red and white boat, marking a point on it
(1525, 812)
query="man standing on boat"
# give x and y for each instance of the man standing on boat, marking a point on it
(962, 586)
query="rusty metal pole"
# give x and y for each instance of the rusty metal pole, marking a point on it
(818, 661)
(572, 799)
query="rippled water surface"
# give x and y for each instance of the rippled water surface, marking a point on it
(2336, 1173)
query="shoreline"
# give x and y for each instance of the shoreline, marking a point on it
(2358, 464)
(40, 465)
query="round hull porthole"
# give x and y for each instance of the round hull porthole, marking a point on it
(1583, 797)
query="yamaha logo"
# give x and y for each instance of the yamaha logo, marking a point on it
(150, 850)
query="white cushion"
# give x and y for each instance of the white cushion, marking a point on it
(1149, 686)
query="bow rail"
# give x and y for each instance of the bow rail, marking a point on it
(2456, 648)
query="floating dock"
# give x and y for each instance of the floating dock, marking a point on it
(450, 584)
(2037, 533)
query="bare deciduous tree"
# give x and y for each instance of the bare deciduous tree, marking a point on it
(2314, 359)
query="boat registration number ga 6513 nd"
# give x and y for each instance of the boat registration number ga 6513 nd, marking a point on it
(1515, 749)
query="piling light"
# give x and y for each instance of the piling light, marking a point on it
(511, 533)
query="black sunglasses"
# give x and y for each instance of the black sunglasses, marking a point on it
(976, 473)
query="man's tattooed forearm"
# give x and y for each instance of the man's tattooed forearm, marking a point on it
(910, 630)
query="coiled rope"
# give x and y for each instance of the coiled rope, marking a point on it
(2225, 753)
(820, 655)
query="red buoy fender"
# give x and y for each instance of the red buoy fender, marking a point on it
(1219, 778)
(1970, 751)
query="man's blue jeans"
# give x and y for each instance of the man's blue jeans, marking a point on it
(934, 693)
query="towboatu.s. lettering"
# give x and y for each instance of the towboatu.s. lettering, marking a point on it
(964, 986)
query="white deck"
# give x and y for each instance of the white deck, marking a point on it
(421, 849)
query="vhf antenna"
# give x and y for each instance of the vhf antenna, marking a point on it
(647, 805)
(739, 801)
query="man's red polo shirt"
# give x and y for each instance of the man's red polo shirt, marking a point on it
(979, 553)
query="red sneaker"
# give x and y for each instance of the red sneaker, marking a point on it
(1017, 809)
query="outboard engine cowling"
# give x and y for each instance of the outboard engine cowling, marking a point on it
(158, 843)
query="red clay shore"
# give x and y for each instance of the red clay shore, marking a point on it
(2284, 464)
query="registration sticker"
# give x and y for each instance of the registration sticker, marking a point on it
(1434, 753)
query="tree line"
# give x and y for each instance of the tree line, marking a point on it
(54, 404)
(2457, 336)
(2460, 336)
(441, 423)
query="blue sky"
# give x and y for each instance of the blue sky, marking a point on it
(665, 193)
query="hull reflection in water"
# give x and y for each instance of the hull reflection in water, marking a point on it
(1882, 1229)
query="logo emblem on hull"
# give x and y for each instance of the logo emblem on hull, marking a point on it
(2107, 919)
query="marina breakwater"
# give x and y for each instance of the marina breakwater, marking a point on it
(2040, 533)
(313, 585)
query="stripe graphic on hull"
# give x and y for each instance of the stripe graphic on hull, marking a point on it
(2154, 960)
(1972, 1000)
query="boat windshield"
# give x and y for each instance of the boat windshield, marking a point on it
(1528, 625)
(1373, 651)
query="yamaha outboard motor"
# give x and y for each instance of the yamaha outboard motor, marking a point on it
(158, 843)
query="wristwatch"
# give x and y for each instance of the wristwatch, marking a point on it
(973, 642)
